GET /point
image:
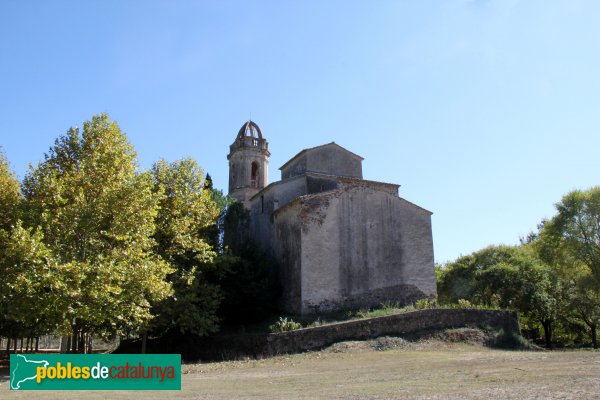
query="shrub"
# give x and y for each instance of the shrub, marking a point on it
(510, 340)
(425, 304)
(284, 325)
(462, 303)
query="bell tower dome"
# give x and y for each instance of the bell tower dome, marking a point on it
(248, 163)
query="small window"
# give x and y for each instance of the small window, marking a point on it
(255, 142)
(322, 188)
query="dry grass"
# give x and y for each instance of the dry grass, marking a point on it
(430, 369)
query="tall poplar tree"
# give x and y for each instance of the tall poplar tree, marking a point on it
(96, 213)
(186, 212)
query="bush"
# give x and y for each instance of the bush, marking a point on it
(462, 303)
(425, 304)
(508, 340)
(284, 325)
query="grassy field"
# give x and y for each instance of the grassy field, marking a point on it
(356, 371)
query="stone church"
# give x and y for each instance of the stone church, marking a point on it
(340, 241)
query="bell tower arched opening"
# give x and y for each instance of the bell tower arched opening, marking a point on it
(254, 180)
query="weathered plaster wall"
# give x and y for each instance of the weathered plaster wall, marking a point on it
(316, 183)
(321, 253)
(240, 170)
(262, 206)
(287, 250)
(362, 246)
(328, 159)
(416, 239)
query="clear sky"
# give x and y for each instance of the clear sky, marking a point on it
(486, 112)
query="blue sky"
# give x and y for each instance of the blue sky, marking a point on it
(485, 112)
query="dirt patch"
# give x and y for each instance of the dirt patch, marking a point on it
(437, 340)
(464, 335)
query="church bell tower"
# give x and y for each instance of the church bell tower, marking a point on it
(248, 163)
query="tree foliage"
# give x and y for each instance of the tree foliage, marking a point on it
(576, 229)
(570, 243)
(33, 286)
(91, 245)
(552, 279)
(9, 195)
(186, 210)
(96, 213)
(503, 276)
(247, 276)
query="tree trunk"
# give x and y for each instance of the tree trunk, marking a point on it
(547, 324)
(15, 344)
(593, 336)
(89, 344)
(64, 344)
(37, 344)
(144, 340)
(77, 343)
(77, 339)
(82, 339)
(21, 345)
(7, 345)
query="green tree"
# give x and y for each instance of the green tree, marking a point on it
(460, 279)
(96, 213)
(507, 277)
(584, 305)
(9, 195)
(576, 228)
(186, 211)
(570, 243)
(33, 286)
(247, 276)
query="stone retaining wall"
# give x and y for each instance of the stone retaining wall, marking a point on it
(410, 324)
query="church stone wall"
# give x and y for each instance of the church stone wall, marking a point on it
(287, 251)
(328, 159)
(321, 253)
(266, 202)
(417, 242)
(294, 168)
(362, 246)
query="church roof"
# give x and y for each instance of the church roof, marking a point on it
(332, 144)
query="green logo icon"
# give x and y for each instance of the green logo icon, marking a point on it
(23, 369)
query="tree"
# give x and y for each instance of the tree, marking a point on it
(576, 228)
(584, 304)
(9, 195)
(507, 277)
(460, 279)
(186, 210)
(247, 275)
(214, 232)
(570, 242)
(96, 213)
(33, 286)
